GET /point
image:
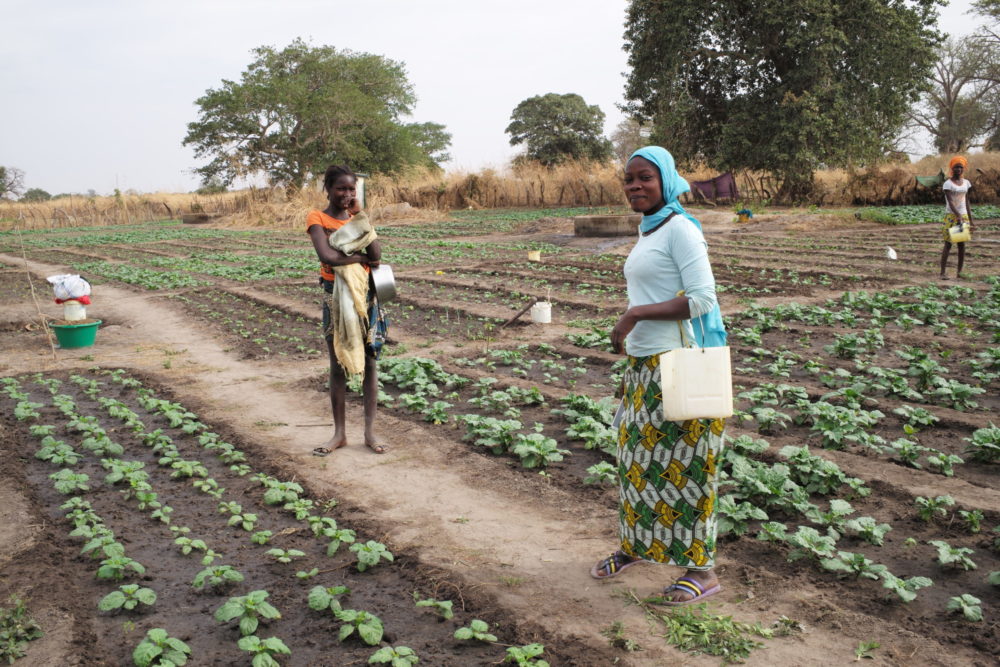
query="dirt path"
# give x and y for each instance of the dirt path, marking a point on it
(527, 543)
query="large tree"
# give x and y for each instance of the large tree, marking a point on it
(555, 128)
(784, 86)
(961, 107)
(628, 137)
(11, 182)
(989, 9)
(35, 195)
(297, 110)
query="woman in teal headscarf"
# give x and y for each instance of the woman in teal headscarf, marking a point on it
(667, 470)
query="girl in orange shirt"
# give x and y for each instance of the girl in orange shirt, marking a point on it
(340, 185)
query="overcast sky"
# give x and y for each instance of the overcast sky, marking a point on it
(98, 93)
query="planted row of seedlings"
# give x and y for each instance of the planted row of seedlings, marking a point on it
(925, 562)
(83, 237)
(920, 405)
(568, 440)
(188, 550)
(935, 562)
(836, 376)
(259, 330)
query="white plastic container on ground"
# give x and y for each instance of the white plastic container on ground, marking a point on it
(74, 310)
(541, 312)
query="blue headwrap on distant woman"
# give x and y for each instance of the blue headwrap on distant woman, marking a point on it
(673, 187)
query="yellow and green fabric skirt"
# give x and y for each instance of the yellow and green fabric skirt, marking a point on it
(950, 220)
(667, 473)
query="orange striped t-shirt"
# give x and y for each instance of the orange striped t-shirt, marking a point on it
(329, 226)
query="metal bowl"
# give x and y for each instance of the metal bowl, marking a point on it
(384, 282)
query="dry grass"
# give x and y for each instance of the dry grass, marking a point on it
(432, 193)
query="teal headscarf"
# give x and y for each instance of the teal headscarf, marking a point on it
(673, 187)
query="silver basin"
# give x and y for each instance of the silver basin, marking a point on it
(384, 282)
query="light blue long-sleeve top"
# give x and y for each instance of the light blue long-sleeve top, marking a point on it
(672, 258)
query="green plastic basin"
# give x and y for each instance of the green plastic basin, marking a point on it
(76, 335)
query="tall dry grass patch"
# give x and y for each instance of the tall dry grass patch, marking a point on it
(571, 184)
(79, 211)
(434, 193)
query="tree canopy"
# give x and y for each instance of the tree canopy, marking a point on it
(783, 86)
(300, 109)
(628, 137)
(11, 182)
(555, 128)
(36, 194)
(961, 107)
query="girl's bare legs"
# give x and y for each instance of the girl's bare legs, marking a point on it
(370, 388)
(338, 400)
(944, 258)
(961, 258)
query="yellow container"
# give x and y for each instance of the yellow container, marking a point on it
(960, 233)
(534, 255)
(743, 217)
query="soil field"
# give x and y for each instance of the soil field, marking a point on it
(858, 501)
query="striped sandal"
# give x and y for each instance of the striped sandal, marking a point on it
(691, 587)
(613, 565)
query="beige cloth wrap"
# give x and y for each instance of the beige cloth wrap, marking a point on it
(349, 300)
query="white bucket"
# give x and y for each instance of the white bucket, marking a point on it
(73, 311)
(541, 312)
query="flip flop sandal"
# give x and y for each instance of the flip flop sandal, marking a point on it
(378, 448)
(688, 585)
(321, 451)
(613, 565)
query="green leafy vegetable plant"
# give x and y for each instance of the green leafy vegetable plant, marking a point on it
(869, 529)
(442, 607)
(478, 630)
(601, 473)
(128, 597)
(905, 589)
(956, 556)
(368, 626)
(117, 565)
(537, 450)
(370, 554)
(398, 656)
(526, 656)
(263, 650)
(216, 577)
(968, 606)
(322, 598)
(847, 562)
(973, 520)
(865, 649)
(984, 445)
(735, 516)
(807, 542)
(928, 508)
(261, 537)
(160, 649)
(16, 629)
(249, 609)
(66, 481)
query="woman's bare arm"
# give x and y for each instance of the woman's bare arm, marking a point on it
(328, 255)
(677, 308)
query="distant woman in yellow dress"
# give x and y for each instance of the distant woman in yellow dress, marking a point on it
(957, 210)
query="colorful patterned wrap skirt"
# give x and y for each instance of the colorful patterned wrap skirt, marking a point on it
(950, 220)
(667, 475)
